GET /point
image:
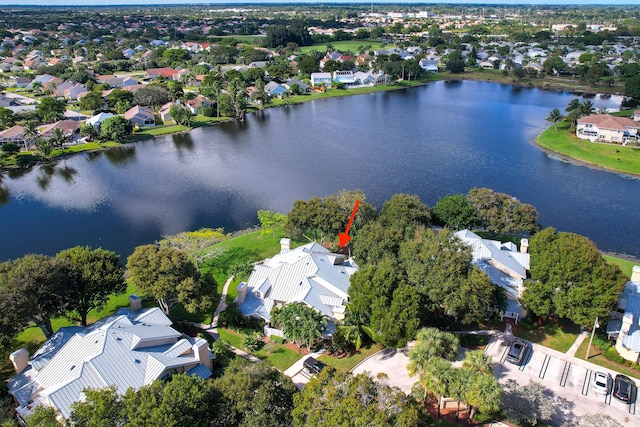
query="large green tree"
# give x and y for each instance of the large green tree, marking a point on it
(570, 278)
(101, 275)
(33, 289)
(502, 213)
(455, 212)
(255, 395)
(405, 212)
(334, 399)
(51, 109)
(271, 222)
(170, 277)
(116, 128)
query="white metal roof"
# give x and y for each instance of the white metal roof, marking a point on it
(127, 350)
(309, 274)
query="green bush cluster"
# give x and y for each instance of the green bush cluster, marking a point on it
(276, 339)
(613, 355)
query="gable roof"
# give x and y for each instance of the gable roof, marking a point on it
(503, 255)
(607, 121)
(127, 350)
(309, 274)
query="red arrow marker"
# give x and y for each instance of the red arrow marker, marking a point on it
(344, 237)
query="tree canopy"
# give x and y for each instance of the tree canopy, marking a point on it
(502, 213)
(335, 399)
(168, 275)
(570, 278)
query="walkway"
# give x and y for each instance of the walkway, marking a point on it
(574, 347)
(212, 329)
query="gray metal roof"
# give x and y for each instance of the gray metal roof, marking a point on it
(309, 274)
(127, 350)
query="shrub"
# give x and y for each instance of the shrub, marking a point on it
(601, 342)
(613, 355)
(276, 339)
(208, 111)
(252, 343)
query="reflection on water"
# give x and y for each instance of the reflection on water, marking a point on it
(121, 156)
(435, 140)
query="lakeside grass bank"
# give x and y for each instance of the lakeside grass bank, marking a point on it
(612, 157)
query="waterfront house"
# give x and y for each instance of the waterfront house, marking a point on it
(275, 89)
(14, 134)
(194, 105)
(345, 77)
(304, 88)
(607, 128)
(130, 349)
(321, 79)
(309, 275)
(70, 128)
(140, 116)
(429, 66)
(504, 264)
(164, 112)
(98, 119)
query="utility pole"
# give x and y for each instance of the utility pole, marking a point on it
(593, 331)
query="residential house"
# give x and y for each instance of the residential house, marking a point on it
(14, 134)
(140, 116)
(636, 115)
(71, 129)
(195, 47)
(115, 81)
(309, 275)
(321, 79)
(504, 264)
(194, 105)
(302, 85)
(167, 73)
(71, 90)
(164, 112)
(625, 325)
(47, 81)
(98, 119)
(429, 65)
(130, 349)
(345, 77)
(275, 89)
(607, 128)
(22, 82)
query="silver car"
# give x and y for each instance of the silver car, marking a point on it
(602, 382)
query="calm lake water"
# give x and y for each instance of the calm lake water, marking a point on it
(439, 139)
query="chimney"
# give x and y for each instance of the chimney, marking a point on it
(135, 302)
(20, 359)
(242, 290)
(285, 245)
(524, 245)
(635, 273)
(201, 352)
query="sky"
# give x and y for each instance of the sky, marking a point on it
(219, 2)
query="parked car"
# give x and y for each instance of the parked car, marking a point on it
(313, 366)
(517, 352)
(602, 382)
(624, 388)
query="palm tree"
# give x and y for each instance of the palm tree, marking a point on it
(238, 94)
(483, 393)
(432, 343)
(260, 95)
(43, 146)
(574, 104)
(587, 108)
(30, 132)
(603, 110)
(354, 334)
(478, 361)
(555, 116)
(437, 378)
(58, 138)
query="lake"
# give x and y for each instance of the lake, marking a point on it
(438, 139)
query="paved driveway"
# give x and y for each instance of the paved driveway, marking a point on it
(568, 378)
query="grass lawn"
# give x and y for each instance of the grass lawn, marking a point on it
(558, 336)
(625, 265)
(597, 358)
(278, 355)
(346, 46)
(249, 247)
(345, 364)
(609, 156)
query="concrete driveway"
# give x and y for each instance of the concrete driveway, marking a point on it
(390, 367)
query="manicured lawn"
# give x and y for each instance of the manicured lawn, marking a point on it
(346, 46)
(610, 156)
(279, 355)
(598, 359)
(345, 364)
(558, 336)
(233, 338)
(625, 265)
(249, 247)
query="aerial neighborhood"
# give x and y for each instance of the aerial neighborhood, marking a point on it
(340, 312)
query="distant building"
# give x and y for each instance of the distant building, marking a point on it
(607, 128)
